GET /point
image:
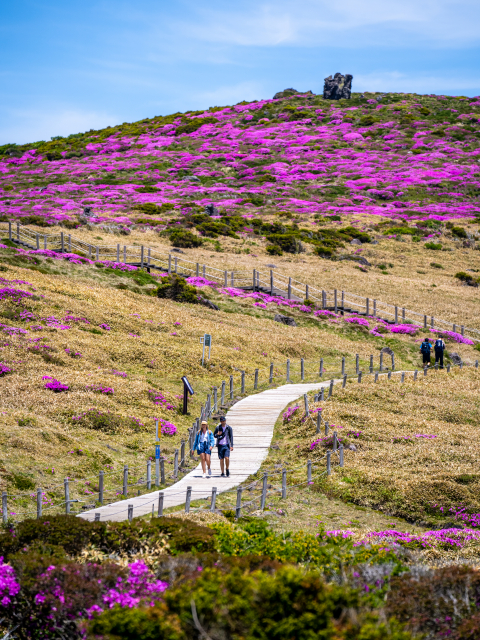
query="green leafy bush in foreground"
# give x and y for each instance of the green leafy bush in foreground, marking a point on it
(288, 604)
(185, 239)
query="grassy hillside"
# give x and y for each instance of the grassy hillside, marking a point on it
(295, 174)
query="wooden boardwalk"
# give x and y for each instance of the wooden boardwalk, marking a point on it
(252, 420)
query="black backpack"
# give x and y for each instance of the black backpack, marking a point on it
(425, 348)
(439, 344)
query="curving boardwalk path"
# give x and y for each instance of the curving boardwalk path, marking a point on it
(252, 420)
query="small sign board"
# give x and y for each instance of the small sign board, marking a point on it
(207, 342)
(157, 452)
(188, 385)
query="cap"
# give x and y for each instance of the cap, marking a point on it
(222, 418)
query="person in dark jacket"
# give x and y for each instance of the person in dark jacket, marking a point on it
(425, 349)
(224, 437)
(439, 347)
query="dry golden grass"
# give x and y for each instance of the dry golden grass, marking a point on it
(392, 469)
(408, 283)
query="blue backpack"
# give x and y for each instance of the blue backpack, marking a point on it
(425, 348)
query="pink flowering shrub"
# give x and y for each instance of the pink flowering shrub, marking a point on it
(9, 586)
(55, 385)
(288, 414)
(167, 428)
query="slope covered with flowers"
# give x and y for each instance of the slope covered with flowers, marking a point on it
(406, 155)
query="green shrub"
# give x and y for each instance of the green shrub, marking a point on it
(39, 221)
(74, 534)
(177, 288)
(185, 239)
(291, 603)
(463, 276)
(286, 241)
(274, 250)
(435, 265)
(147, 189)
(194, 125)
(433, 246)
(323, 252)
(459, 232)
(107, 422)
(439, 603)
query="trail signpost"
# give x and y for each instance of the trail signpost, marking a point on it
(207, 342)
(187, 389)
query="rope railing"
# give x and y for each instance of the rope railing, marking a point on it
(275, 284)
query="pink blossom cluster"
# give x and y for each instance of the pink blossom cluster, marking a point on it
(9, 587)
(167, 428)
(159, 399)
(287, 416)
(55, 385)
(98, 388)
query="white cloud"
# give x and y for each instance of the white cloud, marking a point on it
(30, 125)
(340, 22)
(403, 82)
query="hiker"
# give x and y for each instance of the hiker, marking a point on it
(224, 436)
(439, 347)
(425, 349)
(204, 443)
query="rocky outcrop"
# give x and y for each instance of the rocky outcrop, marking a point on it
(338, 87)
(285, 320)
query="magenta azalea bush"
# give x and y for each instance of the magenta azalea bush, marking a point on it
(55, 385)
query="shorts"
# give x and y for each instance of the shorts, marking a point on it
(203, 447)
(223, 451)
(426, 358)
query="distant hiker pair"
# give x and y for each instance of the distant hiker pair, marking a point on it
(205, 441)
(426, 348)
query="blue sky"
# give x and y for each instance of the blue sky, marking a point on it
(71, 66)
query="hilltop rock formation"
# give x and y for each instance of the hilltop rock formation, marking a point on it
(338, 87)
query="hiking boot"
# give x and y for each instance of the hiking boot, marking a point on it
(228, 473)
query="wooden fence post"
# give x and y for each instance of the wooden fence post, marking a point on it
(187, 500)
(302, 369)
(238, 509)
(288, 370)
(340, 453)
(305, 401)
(67, 495)
(359, 376)
(130, 512)
(381, 361)
(335, 441)
(415, 374)
(125, 480)
(175, 464)
(243, 382)
(270, 375)
(343, 366)
(162, 470)
(4, 508)
(39, 502)
(327, 427)
(319, 421)
(160, 504)
(376, 376)
(344, 381)
(321, 368)
(357, 364)
(329, 464)
(335, 300)
(231, 387)
(330, 388)
(289, 288)
(255, 380)
(264, 491)
(222, 396)
(100, 487)
(149, 474)
(309, 471)
(284, 483)
(213, 499)
(371, 364)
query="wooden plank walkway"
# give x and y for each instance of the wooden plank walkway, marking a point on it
(252, 420)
